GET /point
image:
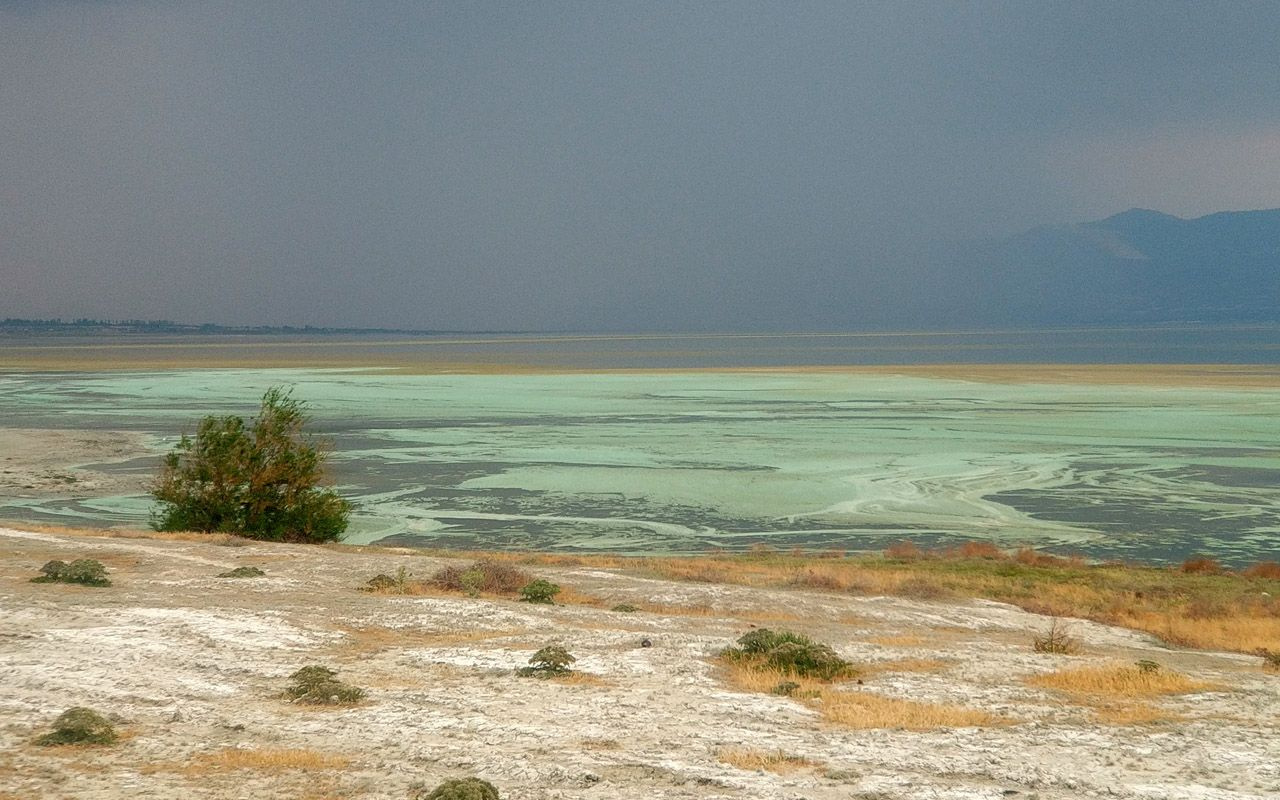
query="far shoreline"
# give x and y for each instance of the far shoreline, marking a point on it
(1183, 375)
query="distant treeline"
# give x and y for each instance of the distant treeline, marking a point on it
(85, 325)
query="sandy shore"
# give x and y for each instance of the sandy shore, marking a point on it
(193, 666)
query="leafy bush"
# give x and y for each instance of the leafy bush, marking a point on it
(79, 725)
(482, 576)
(242, 572)
(539, 591)
(460, 789)
(84, 571)
(625, 608)
(548, 662)
(790, 654)
(259, 479)
(319, 685)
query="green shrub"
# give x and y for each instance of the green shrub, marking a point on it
(84, 571)
(318, 685)
(548, 662)
(460, 789)
(785, 689)
(539, 591)
(79, 726)
(625, 608)
(493, 577)
(762, 640)
(789, 653)
(259, 479)
(242, 572)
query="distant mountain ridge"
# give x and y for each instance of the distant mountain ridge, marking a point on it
(1137, 266)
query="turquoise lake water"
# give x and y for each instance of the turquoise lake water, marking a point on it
(682, 462)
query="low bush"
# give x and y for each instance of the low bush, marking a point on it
(1269, 570)
(493, 577)
(242, 572)
(1201, 565)
(539, 591)
(460, 789)
(785, 689)
(79, 726)
(82, 571)
(319, 686)
(1056, 640)
(789, 654)
(548, 662)
(625, 608)
(386, 584)
(1270, 658)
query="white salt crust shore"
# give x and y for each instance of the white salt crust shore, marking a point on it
(193, 664)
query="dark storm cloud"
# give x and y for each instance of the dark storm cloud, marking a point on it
(564, 165)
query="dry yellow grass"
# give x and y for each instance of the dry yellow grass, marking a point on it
(259, 760)
(1245, 633)
(1118, 680)
(864, 710)
(753, 759)
(749, 679)
(579, 678)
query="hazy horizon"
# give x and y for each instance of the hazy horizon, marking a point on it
(571, 166)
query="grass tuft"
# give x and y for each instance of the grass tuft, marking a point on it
(1119, 680)
(753, 759)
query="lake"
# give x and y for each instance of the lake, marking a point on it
(682, 461)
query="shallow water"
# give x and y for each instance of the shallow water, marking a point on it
(683, 462)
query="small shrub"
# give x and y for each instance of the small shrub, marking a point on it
(548, 662)
(982, 550)
(904, 550)
(921, 588)
(1269, 570)
(79, 726)
(494, 577)
(242, 572)
(83, 571)
(318, 685)
(1147, 666)
(539, 591)
(472, 582)
(380, 583)
(1270, 658)
(785, 689)
(1201, 565)
(625, 608)
(790, 654)
(460, 789)
(762, 640)
(1056, 640)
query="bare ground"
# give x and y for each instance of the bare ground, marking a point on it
(193, 665)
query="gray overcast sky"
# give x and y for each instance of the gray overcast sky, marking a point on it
(593, 165)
